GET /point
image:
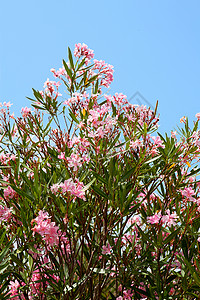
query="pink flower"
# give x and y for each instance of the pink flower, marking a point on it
(14, 289)
(83, 50)
(75, 99)
(25, 111)
(55, 188)
(61, 155)
(37, 284)
(155, 219)
(120, 99)
(8, 104)
(9, 193)
(127, 294)
(51, 88)
(68, 186)
(47, 229)
(5, 213)
(14, 286)
(75, 161)
(197, 116)
(169, 219)
(106, 250)
(136, 144)
(188, 193)
(158, 142)
(173, 134)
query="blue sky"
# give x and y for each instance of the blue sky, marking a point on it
(153, 45)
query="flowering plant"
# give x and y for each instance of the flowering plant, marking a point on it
(93, 203)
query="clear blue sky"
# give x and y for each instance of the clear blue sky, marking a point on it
(153, 45)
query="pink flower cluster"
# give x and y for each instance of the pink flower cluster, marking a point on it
(14, 290)
(83, 50)
(6, 157)
(188, 193)
(75, 161)
(48, 230)
(60, 72)
(197, 116)
(158, 142)
(9, 193)
(5, 213)
(106, 249)
(158, 218)
(68, 186)
(51, 88)
(25, 111)
(75, 99)
(127, 294)
(105, 72)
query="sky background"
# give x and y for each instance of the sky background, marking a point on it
(153, 45)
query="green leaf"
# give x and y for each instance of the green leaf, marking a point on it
(70, 58)
(81, 63)
(171, 236)
(5, 250)
(127, 175)
(73, 117)
(100, 178)
(37, 95)
(144, 235)
(67, 69)
(196, 278)
(17, 260)
(99, 192)
(86, 187)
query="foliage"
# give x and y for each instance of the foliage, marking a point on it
(93, 205)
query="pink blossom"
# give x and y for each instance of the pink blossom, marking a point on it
(25, 111)
(197, 116)
(127, 294)
(169, 219)
(47, 229)
(100, 133)
(9, 193)
(59, 73)
(153, 151)
(7, 104)
(75, 99)
(135, 144)
(106, 249)
(173, 134)
(120, 99)
(5, 213)
(61, 155)
(68, 186)
(54, 188)
(37, 284)
(14, 290)
(74, 161)
(158, 142)
(188, 192)
(51, 88)
(83, 50)
(155, 219)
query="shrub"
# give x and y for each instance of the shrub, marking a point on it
(94, 204)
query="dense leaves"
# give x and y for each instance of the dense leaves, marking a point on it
(93, 203)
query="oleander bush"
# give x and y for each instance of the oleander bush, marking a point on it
(94, 203)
